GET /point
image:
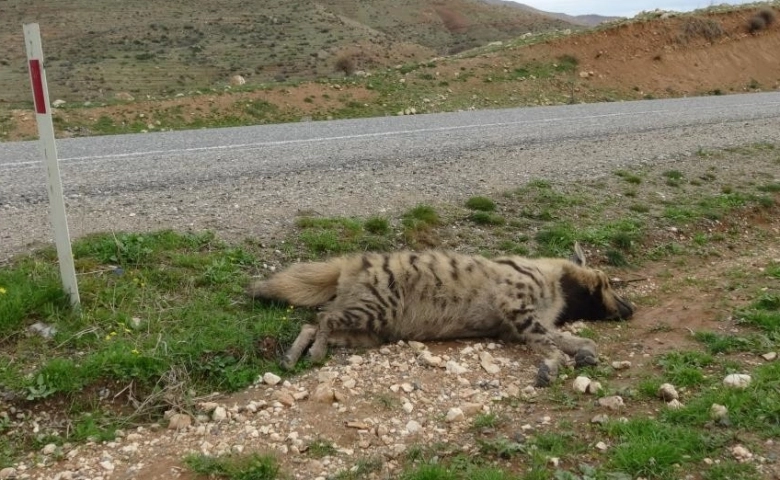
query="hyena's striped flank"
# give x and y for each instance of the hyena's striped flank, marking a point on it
(374, 298)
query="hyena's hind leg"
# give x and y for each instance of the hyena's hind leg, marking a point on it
(301, 343)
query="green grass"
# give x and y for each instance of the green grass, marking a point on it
(482, 204)
(647, 448)
(320, 448)
(332, 236)
(685, 369)
(235, 467)
(486, 218)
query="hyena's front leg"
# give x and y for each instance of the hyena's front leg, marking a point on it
(525, 325)
(295, 351)
(582, 349)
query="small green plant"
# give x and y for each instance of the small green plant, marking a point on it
(377, 225)
(482, 204)
(486, 218)
(485, 420)
(629, 177)
(235, 467)
(320, 448)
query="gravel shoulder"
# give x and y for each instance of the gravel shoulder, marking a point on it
(262, 206)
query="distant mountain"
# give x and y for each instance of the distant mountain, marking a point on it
(583, 20)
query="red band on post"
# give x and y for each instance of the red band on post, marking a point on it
(36, 78)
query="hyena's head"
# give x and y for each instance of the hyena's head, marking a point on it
(589, 294)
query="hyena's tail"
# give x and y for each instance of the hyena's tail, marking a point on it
(302, 284)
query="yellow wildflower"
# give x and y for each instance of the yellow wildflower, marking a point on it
(3, 291)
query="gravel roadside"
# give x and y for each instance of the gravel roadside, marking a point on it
(262, 207)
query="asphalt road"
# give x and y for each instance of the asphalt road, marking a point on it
(101, 165)
(151, 170)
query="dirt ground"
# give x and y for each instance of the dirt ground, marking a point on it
(381, 403)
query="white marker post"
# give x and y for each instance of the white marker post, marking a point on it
(32, 40)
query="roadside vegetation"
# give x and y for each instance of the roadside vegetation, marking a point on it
(164, 322)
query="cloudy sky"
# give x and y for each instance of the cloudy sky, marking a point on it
(623, 8)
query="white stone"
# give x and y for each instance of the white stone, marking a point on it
(177, 421)
(741, 453)
(107, 465)
(737, 380)
(408, 407)
(674, 404)
(431, 360)
(667, 392)
(718, 411)
(355, 360)
(613, 402)
(602, 446)
(219, 414)
(455, 368)
(455, 414)
(413, 427)
(581, 384)
(207, 407)
(49, 449)
(769, 356)
(416, 346)
(270, 378)
(487, 362)
(621, 365)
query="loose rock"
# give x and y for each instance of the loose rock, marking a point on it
(413, 426)
(455, 414)
(667, 392)
(581, 384)
(769, 356)
(613, 402)
(8, 472)
(270, 378)
(621, 365)
(718, 411)
(179, 421)
(737, 380)
(219, 414)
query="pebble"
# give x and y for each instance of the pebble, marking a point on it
(323, 394)
(455, 414)
(737, 380)
(285, 398)
(413, 426)
(269, 378)
(179, 421)
(674, 404)
(613, 402)
(487, 362)
(667, 392)
(741, 453)
(455, 368)
(49, 449)
(431, 360)
(718, 411)
(600, 419)
(621, 365)
(416, 346)
(355, 360)
(769, 356)
(219, 414)
(581, 384)
(602, 446)
(8, 472)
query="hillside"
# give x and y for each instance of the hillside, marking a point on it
(149, 48)
(586, 20)
(708, 52)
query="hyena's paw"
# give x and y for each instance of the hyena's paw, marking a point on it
(546, 374)
(317, 352)
(287, 362)
(585, 357)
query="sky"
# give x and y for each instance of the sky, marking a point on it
(619, 8)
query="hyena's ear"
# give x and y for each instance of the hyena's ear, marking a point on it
(579, 256)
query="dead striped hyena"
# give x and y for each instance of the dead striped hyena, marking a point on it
(373, 298)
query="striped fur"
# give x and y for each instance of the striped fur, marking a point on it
(374, 298)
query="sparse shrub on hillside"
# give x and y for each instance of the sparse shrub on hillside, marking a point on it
(761, 20)
(346, 64)
(768, 15)
(756, 24)
(705, 28)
